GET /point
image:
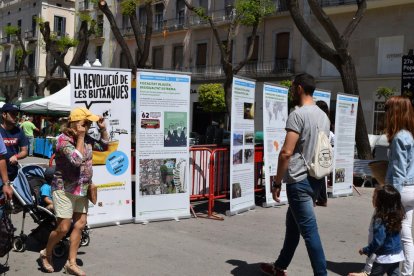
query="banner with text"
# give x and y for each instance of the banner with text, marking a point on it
(345, 125)
(162, 166)
(275, 113)
(242, 146)
(322, 95)
(107, 92)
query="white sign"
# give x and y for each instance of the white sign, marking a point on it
(107, 92)
(322, 95)
(275, 114)
(345, 125)
(162, 182)
(242, 146)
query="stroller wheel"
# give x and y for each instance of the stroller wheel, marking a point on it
(18, 244)
(85, 239)
(61, 248)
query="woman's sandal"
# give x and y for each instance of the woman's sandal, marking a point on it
(46, 262)
(73, 269)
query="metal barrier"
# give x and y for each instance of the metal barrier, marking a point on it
(210, 174)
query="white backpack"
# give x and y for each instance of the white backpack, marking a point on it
(322, 161)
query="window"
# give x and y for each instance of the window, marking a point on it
(255, 55)
(8, 35)
(123, 62)
(125, 21)
(178, 53)
(282, 46)
(228, 8)
(98, 53)
(201, 58)
(180, 12)
(7, 63)
(379, 118)
(32, 61)
(60, 26)
(157, 57)
(19, 24)
(159, 17)
(204, 4)
(99, 23)
(142, 17)
(34, 24)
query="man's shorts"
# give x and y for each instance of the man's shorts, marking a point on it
(66, 204)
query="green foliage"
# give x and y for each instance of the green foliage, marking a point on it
(85, 16)
(385, 92)
(129, 7)
(211, 97)
(64, 42)
(11, 30)
(287, 83)
(250, 12)
(201, 12)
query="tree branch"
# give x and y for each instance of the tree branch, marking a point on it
(250, 49)
(318, 45)
(362, 7)
(103, 6)
(81, 50)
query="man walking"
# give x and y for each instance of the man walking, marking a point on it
(14, 139)
(28, 128)
(302, 129)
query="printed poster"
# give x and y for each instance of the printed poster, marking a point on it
(275, 114)
(162, 166)
(107, 92)
(322, 95)
(242, 146)
(345, 125)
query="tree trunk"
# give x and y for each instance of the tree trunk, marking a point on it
(227, 92)
(82, 49)
(350, 83)
(103, 6)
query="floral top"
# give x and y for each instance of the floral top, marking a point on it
(73, 169)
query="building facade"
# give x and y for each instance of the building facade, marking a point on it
(25, 14)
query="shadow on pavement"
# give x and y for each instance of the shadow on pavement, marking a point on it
(242, 268)
(344, 268)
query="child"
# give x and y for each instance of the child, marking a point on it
(386, 227)
(46, 199)
(45, 192)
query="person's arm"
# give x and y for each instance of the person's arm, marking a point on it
(67, 149)
(22, 154)
(35, 128)
(47, 200)
(379, 235)
(7, 190)
(398, 162)
(286, 152)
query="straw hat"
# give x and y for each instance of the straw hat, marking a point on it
(379, 170)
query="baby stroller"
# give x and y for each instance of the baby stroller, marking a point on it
(26, 188)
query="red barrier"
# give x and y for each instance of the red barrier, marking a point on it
(210, 174)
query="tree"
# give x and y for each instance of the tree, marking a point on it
(211, 97)
(56, 48)
(385, 92)
(339, 56)
(128, 8)
(247, 13)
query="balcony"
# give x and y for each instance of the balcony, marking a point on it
(59, 34)
(330, 3)
(8, 40)
(7, 74)
(86, 6)
(30, 35)
(277, 69)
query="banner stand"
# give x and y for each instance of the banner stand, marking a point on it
(238, 211)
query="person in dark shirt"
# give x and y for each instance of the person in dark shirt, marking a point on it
(14, 139)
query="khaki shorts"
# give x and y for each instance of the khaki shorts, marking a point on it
(66, 204)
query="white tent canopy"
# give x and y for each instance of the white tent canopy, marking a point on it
(60, 101)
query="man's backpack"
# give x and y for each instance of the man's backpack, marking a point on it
(6, 234)
(322, 161)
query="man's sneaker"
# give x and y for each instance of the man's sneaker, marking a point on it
(271, 270)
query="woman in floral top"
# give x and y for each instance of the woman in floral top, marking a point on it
(70, 184)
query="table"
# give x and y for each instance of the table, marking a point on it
(362, 170)
(43, 146)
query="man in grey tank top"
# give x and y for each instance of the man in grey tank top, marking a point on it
(302, 128)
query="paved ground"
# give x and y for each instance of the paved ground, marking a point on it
(234, 246)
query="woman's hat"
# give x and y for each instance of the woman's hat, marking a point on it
(82, 113)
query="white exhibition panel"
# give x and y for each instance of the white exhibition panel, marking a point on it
(275, 114)
(162, 160)
(242, 145)
(345, 125)
(107, 92)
